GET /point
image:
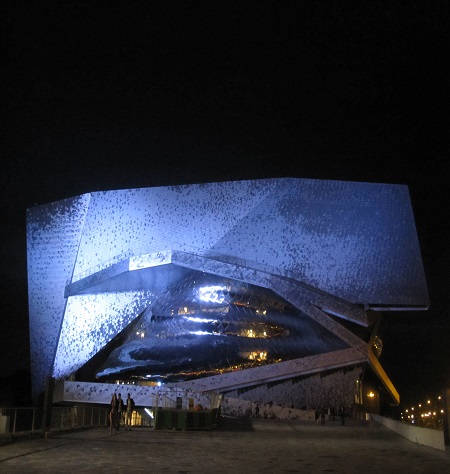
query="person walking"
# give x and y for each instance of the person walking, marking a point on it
(120, 410)
(129, 412)
(113, 415)
(322, 416)
(342, 414)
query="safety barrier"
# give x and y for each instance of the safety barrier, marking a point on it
(16, 420)
(417, 434)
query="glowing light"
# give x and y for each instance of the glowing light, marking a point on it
(371, 395)
(212, 294)
(262, 355)
(149, 412)
(199, 320)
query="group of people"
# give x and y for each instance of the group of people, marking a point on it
(319, 415)
(321, 411)
(120, 411)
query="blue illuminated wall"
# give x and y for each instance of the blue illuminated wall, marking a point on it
(354, 241)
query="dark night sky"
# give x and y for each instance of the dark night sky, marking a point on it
(97, 98)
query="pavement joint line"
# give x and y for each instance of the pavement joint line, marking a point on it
(34, 452)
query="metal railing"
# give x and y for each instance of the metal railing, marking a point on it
(31, 419)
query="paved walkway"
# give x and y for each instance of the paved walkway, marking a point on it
(262, 446)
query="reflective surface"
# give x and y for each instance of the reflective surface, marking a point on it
(354, 241)
(207, 325)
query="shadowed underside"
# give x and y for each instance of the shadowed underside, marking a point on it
(199, 281)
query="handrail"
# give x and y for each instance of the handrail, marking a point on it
(30, 419)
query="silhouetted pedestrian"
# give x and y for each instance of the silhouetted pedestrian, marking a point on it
(120, 410)
(113, 415)
(322, 416)
(342, 414)
(129, 412)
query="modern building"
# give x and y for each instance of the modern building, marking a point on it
(267, 290)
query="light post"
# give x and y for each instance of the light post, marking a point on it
(430, 414)
(373, 402)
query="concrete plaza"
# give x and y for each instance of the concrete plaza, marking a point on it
(255, 446)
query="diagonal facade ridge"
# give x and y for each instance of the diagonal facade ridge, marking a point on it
(290, 269)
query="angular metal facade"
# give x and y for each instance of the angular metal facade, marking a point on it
(100, 263)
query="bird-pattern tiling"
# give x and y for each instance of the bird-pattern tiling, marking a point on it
(355, 241)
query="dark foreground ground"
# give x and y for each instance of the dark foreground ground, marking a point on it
(257, 446)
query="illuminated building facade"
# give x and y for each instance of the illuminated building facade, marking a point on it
(246, 288)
